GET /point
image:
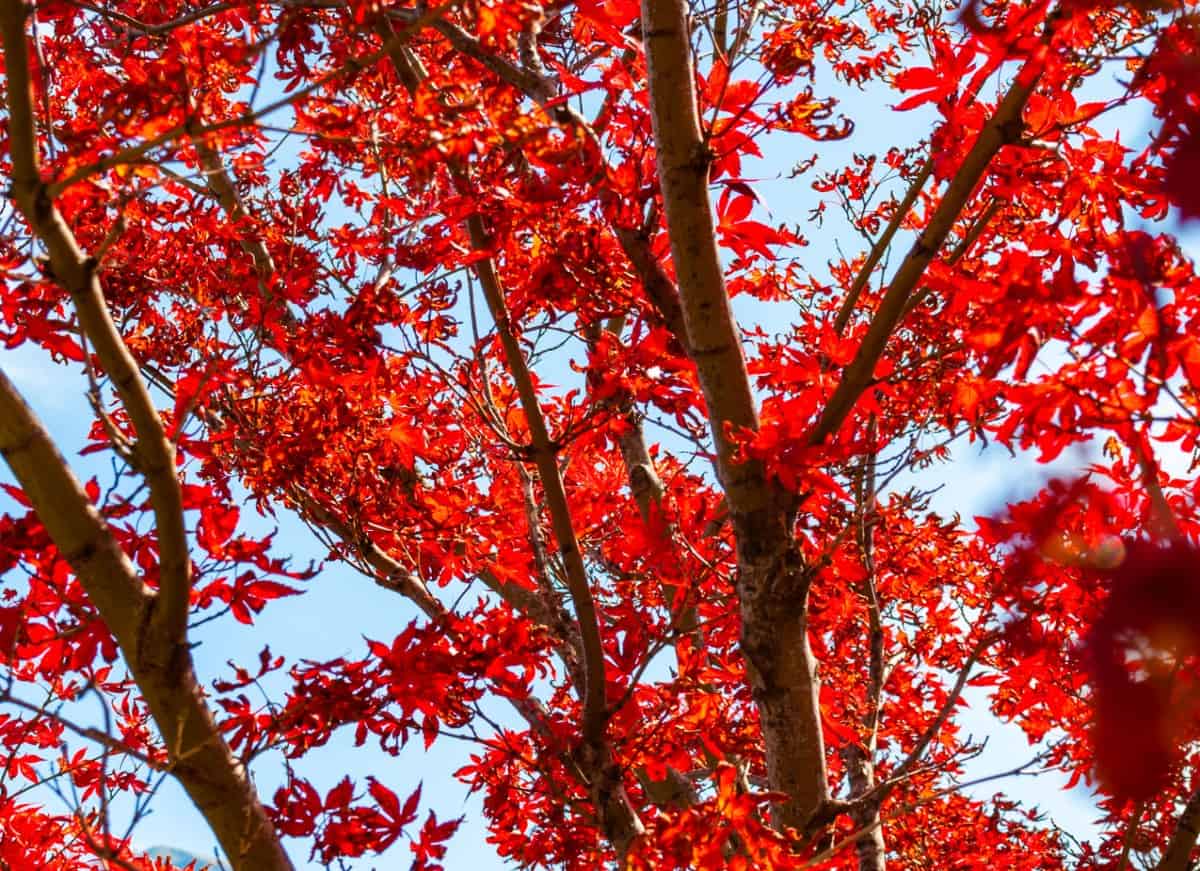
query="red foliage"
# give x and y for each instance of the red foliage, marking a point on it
(404, 272)
(1143, 654)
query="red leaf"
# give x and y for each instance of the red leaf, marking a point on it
(1150, 624)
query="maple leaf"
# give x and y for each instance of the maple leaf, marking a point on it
(1141, 650)
(939, 82)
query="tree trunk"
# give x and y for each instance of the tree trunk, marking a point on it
(773, 582)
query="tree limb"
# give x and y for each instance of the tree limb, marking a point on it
(773, 578)
(543, 90)
(1183, 839)
(1001, 129)
(76, 272)
(198, 755)
(880, 247)
(617, 816)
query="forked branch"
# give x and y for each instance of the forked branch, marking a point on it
(1001, 129)
(150, 626)
(198, 755)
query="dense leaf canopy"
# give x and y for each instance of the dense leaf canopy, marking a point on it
(619, 342)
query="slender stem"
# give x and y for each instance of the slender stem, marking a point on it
(1002, 128)
(881, 246)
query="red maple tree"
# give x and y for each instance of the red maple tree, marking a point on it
(455, 284)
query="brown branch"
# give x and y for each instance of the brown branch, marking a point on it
(544, 451)
(545, 457)
(390, 574)
(860, 758)
(618, 819)
(1001, 129)
(866, 521)
(1131, 832)
(902, 770)
(110, 743)
(674, 789)
(222, 187)
(644, 482)
(135, 153)
(526, 81)
(885, 241)
(1162, 519)
(926, 797)
(772, 576)
(965, 244)
(720, 27)
(104, 852)
(860, 807)
(714, 340)
(645, 485)
(73, 270)
(151, 628)
(881, 246)
(75, 526)
(199, 757)
(1183, 839)
(660, 290)
(557, 618)
(656, 284)
(133, 25)
(531, 605)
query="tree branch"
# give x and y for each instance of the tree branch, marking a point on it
(914, 756)
(860, 758)
(73, 270)
(135, 153)
(617, 816)
(222, 187)
(881, 246)
(199, 756)
(1183, 839)
(714, 340)
(660, 290)
(1001, 129)
(773, 578)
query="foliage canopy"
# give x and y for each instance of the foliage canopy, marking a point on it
(455, 284)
